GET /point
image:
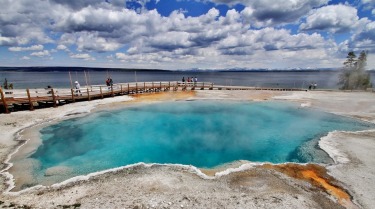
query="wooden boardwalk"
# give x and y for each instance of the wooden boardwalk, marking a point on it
(29, 99)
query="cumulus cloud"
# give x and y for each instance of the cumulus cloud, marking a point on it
(121, 56)
(101, 30)
(333, 18)
(191, 32)
(242, 47)
(62, 47)
(364, 39)
(368, 3)
(208, 39)
(107, 29)
(82, 56)
(89, 41)
(44, 53)
(74, 4)
(269, 39)
(263, 13)
(96, 27)
(159, 58)
(23, 22)
(6, 41)
(30, 48)
(92, 19)
(25, 58)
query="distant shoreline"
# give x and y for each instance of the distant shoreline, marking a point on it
(66, 68)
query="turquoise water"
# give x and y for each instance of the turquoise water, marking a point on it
(199, 133)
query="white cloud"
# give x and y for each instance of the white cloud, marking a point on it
(24, 21)
(334, 18)
(368, 3)
(121, 56)
(62, 47)
(171, 40)
(252, 49)
(74, 4)
(30, 48)
(90, 41)
(270, 39)
(6, 41)
(44, 53)
(106, 19)
(25, 58)
(82, 56)
(263, 13)
(364, 39)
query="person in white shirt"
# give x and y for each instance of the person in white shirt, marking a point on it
(78, 88)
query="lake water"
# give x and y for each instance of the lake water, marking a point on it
(200, 133)
(295, 79)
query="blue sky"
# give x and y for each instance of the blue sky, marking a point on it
(184, 34)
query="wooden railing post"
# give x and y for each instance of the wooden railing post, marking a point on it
(73, 99)
(128, 88)
(121, 89)
(88, 94)
(136, 88)
(4, 101)
(30, 102)
(101, 92)
(53, 98)
(112, 94)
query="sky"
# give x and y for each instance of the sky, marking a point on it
(186, 34)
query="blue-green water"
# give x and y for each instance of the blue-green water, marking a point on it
(199, 133)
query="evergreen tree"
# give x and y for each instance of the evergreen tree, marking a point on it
(354, 75)
(350, 60)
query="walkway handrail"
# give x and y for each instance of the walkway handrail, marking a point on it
(43, 96)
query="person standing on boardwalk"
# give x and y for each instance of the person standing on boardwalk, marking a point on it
(49, 91)
(78, 88)
(110, 82)
(107, 82)
(183, 79)
(5, 84)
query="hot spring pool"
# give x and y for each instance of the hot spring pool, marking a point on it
(200, 133)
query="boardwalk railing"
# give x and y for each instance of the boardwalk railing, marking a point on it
(20, 99)
(17, 99)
